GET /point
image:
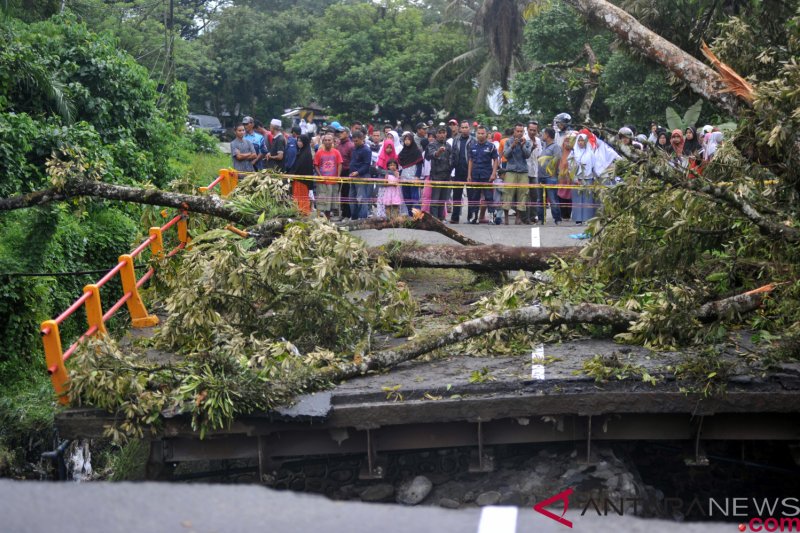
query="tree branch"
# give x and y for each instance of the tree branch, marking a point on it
(420, 221)
(701, 78)
(619, 319)
(723, 195)
(207, 205)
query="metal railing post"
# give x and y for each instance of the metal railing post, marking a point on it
(233, 178)
(183, 228)
(54, 359)
(157, 245)
(139, 315)
(225, 184)
(94, 309)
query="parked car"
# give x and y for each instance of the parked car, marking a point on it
(208, 123)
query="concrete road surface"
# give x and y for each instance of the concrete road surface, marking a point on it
(532, 235)
(33, 506)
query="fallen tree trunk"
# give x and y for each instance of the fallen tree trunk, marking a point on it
(207, 205)
(212, 205)
(741, 303)
(600, 314)
(701, 78)
(483, 258)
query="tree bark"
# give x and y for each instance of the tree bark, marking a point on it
(591, 84)
(741, 303)
(207, 205)
(484, 258)
(701, 78)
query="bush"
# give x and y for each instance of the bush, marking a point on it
(202, 142)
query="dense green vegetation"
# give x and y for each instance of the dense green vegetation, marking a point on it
(71, 96)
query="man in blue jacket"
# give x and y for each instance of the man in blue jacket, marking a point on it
(360, 163)
(481, 171)
(459, 162)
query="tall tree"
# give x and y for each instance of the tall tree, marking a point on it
(246, 75)
(367, 60)
(496, 34)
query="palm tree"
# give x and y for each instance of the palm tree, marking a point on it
(496, 32)
(32, 79)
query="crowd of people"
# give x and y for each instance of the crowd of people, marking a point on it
(366, 171)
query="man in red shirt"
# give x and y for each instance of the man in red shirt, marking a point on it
(345, 148)
(328, 163)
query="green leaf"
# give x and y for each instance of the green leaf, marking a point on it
(674, 121)
(692, 114)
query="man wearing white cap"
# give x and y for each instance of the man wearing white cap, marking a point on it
(277, 147)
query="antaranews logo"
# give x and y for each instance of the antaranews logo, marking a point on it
(772, 514)
(562, 496)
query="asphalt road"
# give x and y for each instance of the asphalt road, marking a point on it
(31, 506)
(548, 234)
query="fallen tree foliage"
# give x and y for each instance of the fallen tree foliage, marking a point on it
(533, 315)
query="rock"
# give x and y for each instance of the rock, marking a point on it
(469, 496)
(414, 491)
(512, 498)
(604, 471)
(626, 484)
(488, 498)
(542, 469)
(447, 503)
(532, 485)
(377, 493)
(348, 491)
(440, 478)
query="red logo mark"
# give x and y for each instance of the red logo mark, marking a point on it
(742, 527)
(562, 496)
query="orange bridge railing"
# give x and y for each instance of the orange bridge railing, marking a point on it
(55, 356)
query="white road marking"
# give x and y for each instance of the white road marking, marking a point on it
(537, 362)
(498, 520)
(535, 240)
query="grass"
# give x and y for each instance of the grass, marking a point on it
(27, 413)
(201, 169)
(124, 463)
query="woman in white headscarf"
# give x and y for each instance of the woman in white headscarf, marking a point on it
(713, 144)
(582, 164)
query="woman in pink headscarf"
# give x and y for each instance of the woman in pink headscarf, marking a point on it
(676, 143)
(387, 153)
